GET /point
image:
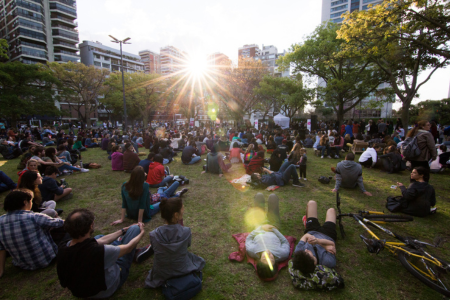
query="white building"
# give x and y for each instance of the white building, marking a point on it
(268, 56)
(172, 60)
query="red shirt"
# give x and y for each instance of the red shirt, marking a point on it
(156, 173)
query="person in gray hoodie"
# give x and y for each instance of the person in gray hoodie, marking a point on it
(349, 175)
(170, 244)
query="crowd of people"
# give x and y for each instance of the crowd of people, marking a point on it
(95, 267)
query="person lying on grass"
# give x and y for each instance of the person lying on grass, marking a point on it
(266, 244)
(317, 246)
(280, 178)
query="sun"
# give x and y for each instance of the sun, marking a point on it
(197, 65)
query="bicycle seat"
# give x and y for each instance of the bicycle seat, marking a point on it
(373, 245)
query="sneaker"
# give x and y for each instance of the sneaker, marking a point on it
(59, 211)
(304, 221)
(329, 156)
(433, 210)
(305, 179)
(166, 168)
(336, 156)
(321, 157)
(84, 170)
(298, 184)
(143, 253)
(65, 171)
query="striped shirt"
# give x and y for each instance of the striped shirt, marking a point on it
(26, 236)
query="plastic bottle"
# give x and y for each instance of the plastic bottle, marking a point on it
(81, 163)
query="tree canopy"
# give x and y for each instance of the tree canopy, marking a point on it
(3, 49)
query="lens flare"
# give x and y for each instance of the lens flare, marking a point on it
(268, 260)
(255, 217)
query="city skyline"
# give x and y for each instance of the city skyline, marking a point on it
(212, 27)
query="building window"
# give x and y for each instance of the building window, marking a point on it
(106, 58)
(106, 65)
(339, 7)
(97, 63)
(97, 56)
(338, 2)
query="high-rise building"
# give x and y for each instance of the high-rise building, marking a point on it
(269, 56)
(38, 31)
(172, 60)
(100, 56)
(333, 9)
(151, 60)
(247, 51)
(217, 59)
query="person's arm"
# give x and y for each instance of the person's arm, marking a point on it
(55, 189)
(431, 146)
(127, 248)
(267, 171)
(361, 183)
(121, 218)
(338, 182)
(108, 239)
(410, 193)
(2, 262)
(284, 242)
(250, 244)
(374, 157)
(140, 216)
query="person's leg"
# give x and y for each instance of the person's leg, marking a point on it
(172, 189)
(154, 209)
(311, 209)
(167, 179)
(273, 210)
(329, 227)
(65, 193)
(291, 172)
(49, 212)
(8, 183)
(194, 160)
(67, 167)
(331, 215)
(259, 201)
(284, 166)
(49, 204)
(125, 261)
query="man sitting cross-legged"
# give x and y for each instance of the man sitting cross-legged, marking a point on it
(26, 235)
(317, 246)
(97, 267)
(266, 244)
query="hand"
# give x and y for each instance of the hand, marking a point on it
(310, 239)
(141, 227)
(220, 175)
(367, 194)
(267, 227)
(334, 190)
(399, 184)
(331, 249)
(116, 222)
(203, 172)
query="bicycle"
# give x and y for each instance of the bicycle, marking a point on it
(411, 252)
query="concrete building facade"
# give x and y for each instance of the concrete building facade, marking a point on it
(173, 60)
(38, 31)
(151, 60)
(269, 56)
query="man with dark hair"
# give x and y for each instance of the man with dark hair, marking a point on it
(317, 246)
(266, 244)
(280, 178)
(349, 175)
(25, 234)
(97, 267)
(191, 154)
(283, 149)
(146, 162)
(50, 189)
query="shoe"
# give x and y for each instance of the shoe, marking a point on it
(143, 253)
(329, 156)
(68, 197)
(321, 157)
(333, 169)
(166, 168)
(433, 210)
(304, 221)
(59, 211)
(84, 170)
(183, 191)
(305, 179)
(336, 156)
(298, 184)
(65, 171)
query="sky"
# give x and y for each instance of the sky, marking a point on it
(203, 27)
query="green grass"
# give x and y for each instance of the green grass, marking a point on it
(215, 210)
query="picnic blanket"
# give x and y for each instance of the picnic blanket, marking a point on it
(242, 253)
(242, 180)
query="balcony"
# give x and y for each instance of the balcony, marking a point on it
(68, 21)
(60, 8)
(66, 2)
(64, 44)
(33, 54)
(65, 28)
(30, 6)
(20, 13)
(65, 36)
(62, 58)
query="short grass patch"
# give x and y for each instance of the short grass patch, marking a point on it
(215, 210)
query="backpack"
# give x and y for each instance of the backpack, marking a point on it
(324, 180)
(410, 148)
(322, 278)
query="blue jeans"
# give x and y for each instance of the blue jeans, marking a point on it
(323, 148)
(67, 167)
(125, 261)
(168, 192)
(289, 171)
(194, 160)
(6, 183)
(92, 145)
(167, 179)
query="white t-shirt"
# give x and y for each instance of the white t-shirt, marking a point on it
(369, 153)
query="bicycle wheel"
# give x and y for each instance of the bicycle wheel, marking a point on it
(420, 269)
(389, 218)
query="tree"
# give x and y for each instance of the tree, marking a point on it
(235, 86)
(374, 35)
(26, 90)
(80, 86)
(3, 49)
(288, 94)
(346, 81)
(142, 94)
(431, 110)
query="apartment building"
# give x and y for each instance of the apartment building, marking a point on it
(268, 56)
(101, 56)
(173, 60)
(217, 59)
(248, 51)
(151, 60)
(38, 31)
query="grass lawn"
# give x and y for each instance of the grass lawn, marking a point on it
(215, 210)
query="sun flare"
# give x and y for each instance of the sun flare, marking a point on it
(197, 65)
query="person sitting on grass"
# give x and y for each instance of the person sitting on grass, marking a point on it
(215, 163)
(105, 142)
(89, 143)
(31, 181)
(349, 175)
(9, 152)
(283, 149)
(317, 246)
(130, 158)
(156, 173)
(66, 166)
(280, 178)
(6, 183)
(256, 164)
(369, 157)
(136, 199)
(46, 141)
(166, 151)
(97, 267)
(170, 244)
(308, 142)
(190, 154)
(419, 198)
(145, 163)
(235, 153)
(266, 244)
(116, 158)
(275, 161)
(26, 236)
(50, 189)
(391, 161)
(249, 153)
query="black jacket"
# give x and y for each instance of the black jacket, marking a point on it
(49, 188)
(418, 198)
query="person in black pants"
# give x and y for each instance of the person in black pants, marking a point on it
(302, 164)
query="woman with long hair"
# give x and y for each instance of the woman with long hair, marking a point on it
(324, 145)
(271, 145)
(426, 144)
(31, 180)
(295, 154)
(170, 243)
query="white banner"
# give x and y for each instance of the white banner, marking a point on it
(256, 124)
(308, 125)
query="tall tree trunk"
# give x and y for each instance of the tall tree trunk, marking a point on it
(405, 113)
(340, 114)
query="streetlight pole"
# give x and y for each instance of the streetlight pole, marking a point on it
(123, 79)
